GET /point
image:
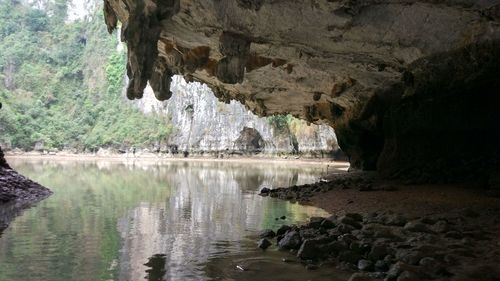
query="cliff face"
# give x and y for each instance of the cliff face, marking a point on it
(399, 80)
(203, 124)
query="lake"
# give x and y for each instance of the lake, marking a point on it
(178, 220)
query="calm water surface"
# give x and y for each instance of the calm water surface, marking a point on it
(139, 221)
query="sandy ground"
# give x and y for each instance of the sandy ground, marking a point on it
(412, 200)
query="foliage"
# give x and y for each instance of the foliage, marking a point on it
(61, 84)
(280, 122)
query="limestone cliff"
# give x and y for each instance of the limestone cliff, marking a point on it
(404, 82)
(202, 124)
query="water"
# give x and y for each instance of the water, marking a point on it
(140, 221)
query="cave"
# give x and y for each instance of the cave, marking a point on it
(398, 81)
(249, 140)
(411, 89)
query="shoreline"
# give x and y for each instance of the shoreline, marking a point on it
(150, 157)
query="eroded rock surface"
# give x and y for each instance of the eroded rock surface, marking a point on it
(16, 193)
(399, 80)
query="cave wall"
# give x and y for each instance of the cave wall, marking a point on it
(447, 125)
(369, 68)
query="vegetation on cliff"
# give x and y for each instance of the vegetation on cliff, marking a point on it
(61, 84)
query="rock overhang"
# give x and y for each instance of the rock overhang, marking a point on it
(348, 64)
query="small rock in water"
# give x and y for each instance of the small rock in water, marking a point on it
(264, 243)
(283, 217)
(239, 267)
(265, 190)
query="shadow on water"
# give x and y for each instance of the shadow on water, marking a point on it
(174, 221)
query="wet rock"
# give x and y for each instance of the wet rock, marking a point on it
(265, 191)
(264, 243)
(310, 249)
(454, 235)
(283, 217)
(470, 213)
(345, 228)
(397, 220)
(283, 229)
(441, 227)
(350, 221)
(267, 233)
(327, 223)
(361, 277)
(378, 252)
(350, 257)
(337, 247)
(412, 258)
(399, 268)
(430, 264)
(408, 276)
(381, 266)
(355, 216)
(309, 233)
(416, 226)
(312, 267)
(291, 240)
(315, 222)
(365, 265)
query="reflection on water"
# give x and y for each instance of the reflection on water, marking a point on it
(175, 221)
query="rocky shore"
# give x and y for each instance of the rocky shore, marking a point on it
(390, 246)
(16, 193)
(420, 240)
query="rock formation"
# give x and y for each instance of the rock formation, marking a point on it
(16, 193)
(3, 163)
(404, 83)
(203, 125)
